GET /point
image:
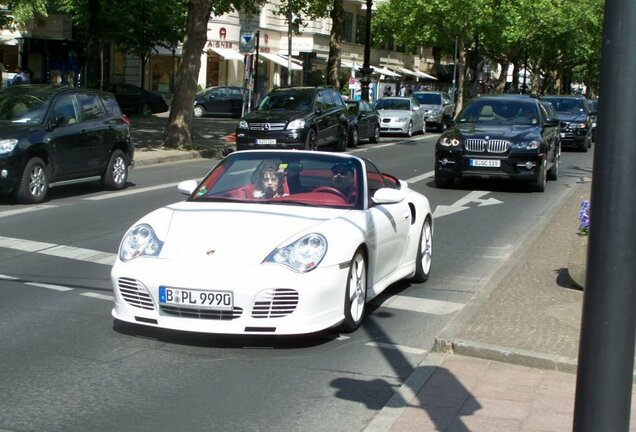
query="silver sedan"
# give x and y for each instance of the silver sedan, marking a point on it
(402, 115)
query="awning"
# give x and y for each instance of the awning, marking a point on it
(416, 73)
(384, 71)
(228, 53)
(279, 60)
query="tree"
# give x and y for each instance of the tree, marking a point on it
(178, 132)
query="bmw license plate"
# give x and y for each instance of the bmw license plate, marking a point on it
(265, 141)
(222, 300)
(485, 163)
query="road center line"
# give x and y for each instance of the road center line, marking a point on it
(421, 177)
(131, 192)
(98, 296)
(49, 286)
(25, 210)
(60, 251)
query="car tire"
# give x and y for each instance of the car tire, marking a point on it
(341, 143)
(409, 131)
(116, 174)
(311, 142)
(34, 183)
(376, 135)
(553, 172)
(424, 255)
(146, 110)
(199, 111)
(442, 182)
(355, 293)
(355, 138)
(539, 184)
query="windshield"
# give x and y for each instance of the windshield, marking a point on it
(287, 101)
(428, 98)
(284, 178)
(393, 104)
(499, 111)
(569, 105)
(23, 108)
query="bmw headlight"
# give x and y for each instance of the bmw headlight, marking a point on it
(7, 145)
(296, 124)
(403, 119)
(436, 111)
(578, 125)
(140, 241)
(527, 145)
(449, 142)
(303, 255)
(242, 124)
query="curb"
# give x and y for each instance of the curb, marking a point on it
(158, 156)
(447, 342)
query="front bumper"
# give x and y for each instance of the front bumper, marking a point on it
(10, 173)
(521, 165)
(394, 125)
(268, 299)
(285, 139)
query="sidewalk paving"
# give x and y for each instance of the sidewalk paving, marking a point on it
(507, 361)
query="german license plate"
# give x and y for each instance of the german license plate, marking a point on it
(222, 300)
(485, 163)
(265, 141)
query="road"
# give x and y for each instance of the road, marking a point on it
(67, 367)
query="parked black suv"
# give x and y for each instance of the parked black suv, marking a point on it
(51, 135)
(503, 136)
(295, 118)
(576, 121)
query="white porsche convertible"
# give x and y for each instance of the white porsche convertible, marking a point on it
(273, 242)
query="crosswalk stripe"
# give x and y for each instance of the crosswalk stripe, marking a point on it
(6, 277)
(415, 304)
(61, 251)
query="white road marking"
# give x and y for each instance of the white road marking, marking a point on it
(5, 277)
(131, 192)
(49, 286)
(98, 296)
(415, 304)
(460, 204)
(420, 177)
(61, 251)
(25, 210)
(402, 348)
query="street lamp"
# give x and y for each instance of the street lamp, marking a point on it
(366, 70)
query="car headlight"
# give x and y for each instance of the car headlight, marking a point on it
(449, 142)
(303, 255)
(242, 124)
(436, 111)
(140, 241)
(296, 124)
(403, 119)
(578, 125)
(527, 145)
(7, 145)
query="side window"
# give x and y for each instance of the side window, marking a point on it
(329, 100)
(321, 103)
(236, 92)
(68, 108)
(112, 107)
(92, 107)
(337, 99)
(218, 93)
(375, 180)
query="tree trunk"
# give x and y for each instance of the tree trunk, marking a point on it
(335, 38)
(178, 133)
(461, 72)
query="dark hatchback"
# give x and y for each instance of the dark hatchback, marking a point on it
(134, 100)
(364, 122)
(503, 136)
(575, 117)
(52, 135)
(223, 101)
(295, 118)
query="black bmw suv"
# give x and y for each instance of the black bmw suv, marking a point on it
(575, 117)
(52, 135)
(503, 136)
(295, 118)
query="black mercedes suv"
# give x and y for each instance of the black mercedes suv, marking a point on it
(503, 136)
(295, 118)
(52, 135)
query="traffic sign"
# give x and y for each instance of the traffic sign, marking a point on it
(247, 42)
(352, 81)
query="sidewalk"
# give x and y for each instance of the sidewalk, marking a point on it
(508, 361)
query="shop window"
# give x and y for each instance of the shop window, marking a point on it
(361, 29)
(347, 27)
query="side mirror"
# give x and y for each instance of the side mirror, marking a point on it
(388, 196)
(186, 187)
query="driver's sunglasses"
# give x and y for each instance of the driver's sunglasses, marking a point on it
(341, 171)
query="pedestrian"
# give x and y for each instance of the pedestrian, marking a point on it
(20, 77)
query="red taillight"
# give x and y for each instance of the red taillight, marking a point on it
(126, 120)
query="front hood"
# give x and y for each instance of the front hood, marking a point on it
(274, 116)
(15, 130)
(394, 113)
(490, 131)
(233, 232)
(571, 117)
